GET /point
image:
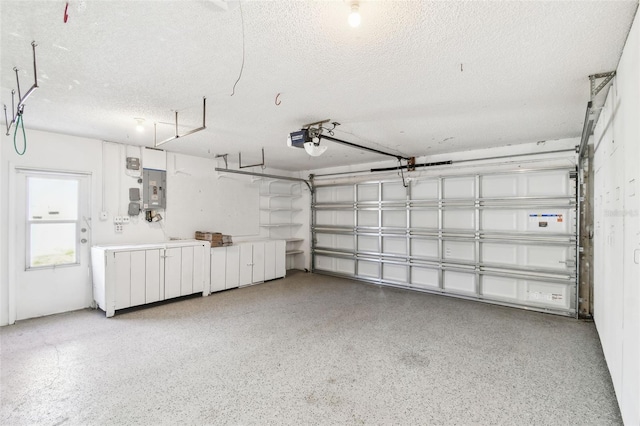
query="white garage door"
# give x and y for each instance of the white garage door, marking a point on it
(507, 238)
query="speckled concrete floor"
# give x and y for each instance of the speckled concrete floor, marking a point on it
(308, 349)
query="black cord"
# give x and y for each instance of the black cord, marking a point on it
(233, 91)
(404, 183)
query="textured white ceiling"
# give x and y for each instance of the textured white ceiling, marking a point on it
(419, 77)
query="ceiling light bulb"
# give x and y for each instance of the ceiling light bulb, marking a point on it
(354, 16)
(313, 149)
(139, 126)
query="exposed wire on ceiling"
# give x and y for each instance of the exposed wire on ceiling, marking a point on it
(278, 102)
(233, 91)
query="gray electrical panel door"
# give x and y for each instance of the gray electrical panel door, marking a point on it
(154, 184)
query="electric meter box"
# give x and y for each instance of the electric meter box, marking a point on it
(154, 189)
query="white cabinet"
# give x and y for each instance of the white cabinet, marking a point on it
(172, 266)
(232, 279)
(247, 263)
(134, 275)
(251, 263)
(218, 268)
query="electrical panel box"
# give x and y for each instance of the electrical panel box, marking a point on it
(154, 184)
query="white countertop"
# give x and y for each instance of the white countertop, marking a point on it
(146, 246)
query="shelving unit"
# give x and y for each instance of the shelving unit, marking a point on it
(280, 215)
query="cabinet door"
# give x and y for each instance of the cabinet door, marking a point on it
(138, 278)
(122, 279)
(232, 271)
(186, 271)
(269, 260)
(152, 278)
(246, 263)
(281, 258)
(258, 263)
(200, 257)
(218, 268)
(172, 264)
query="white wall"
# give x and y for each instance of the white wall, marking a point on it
(617, 229)
(198, 198)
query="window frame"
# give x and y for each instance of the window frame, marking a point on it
(29, 221)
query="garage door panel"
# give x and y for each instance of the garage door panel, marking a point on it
(325, 263)
(368, 218)
(393, 191)
(344, 218)
(500, 287)
(424, 189)
(344, 242)
(424, 218)
(343, 194)
(394, 218)
(324, 217)
(501, 220)
(548, 294)
(459, 282)
(394, 245)
(546, 184)
(499, 186)
(459, 187)
(368, 244)
(394, 273)
(459, 250)
(324, 195)
(368, 269)
(325, 240)
(424, 278)
(368, 192)
(499, 253)
(548, 257)
(345, 266)
(424, 248)
(458, 219)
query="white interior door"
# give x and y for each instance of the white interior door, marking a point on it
(52, 240)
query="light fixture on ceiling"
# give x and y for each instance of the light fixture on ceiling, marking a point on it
(354, 16)
(313, 147)
(140, 126)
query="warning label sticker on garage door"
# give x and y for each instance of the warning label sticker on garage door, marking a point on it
(545, 220)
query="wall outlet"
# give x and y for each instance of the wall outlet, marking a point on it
(104, 215)
(117, 219)
(126, 219)
(119, 228)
